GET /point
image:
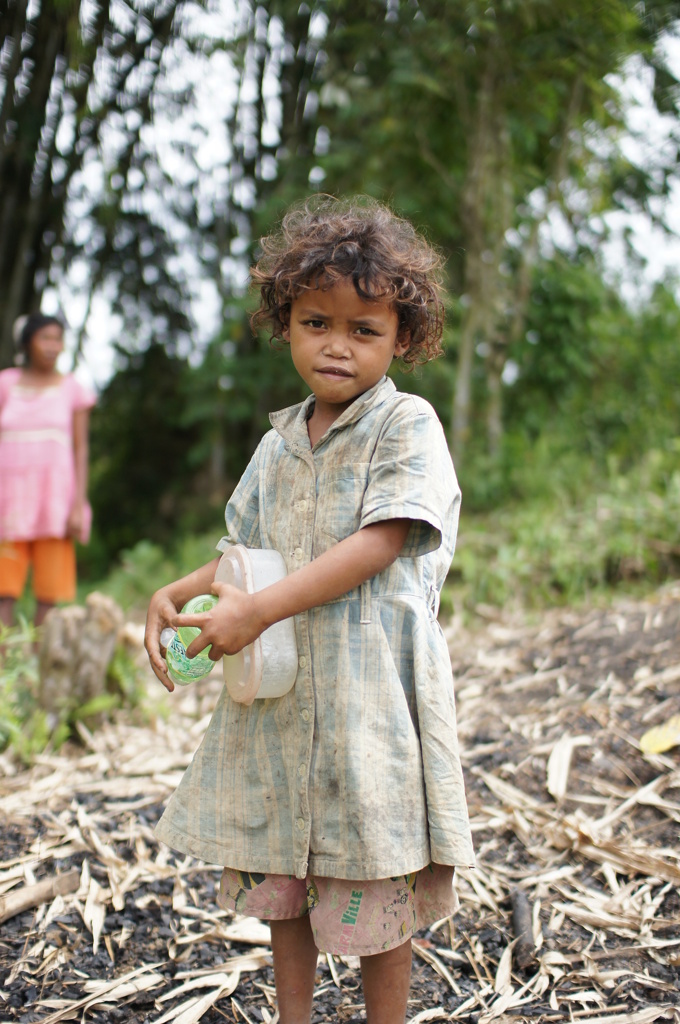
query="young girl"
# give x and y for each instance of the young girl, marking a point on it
(338, 808)
(44, 418)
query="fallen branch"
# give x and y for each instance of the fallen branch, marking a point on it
(524, 950)
(14, 903)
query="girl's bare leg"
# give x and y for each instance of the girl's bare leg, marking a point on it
(386, 981)
(41, 611)
(7, 610)
(295, 957)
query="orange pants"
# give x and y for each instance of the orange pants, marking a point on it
(54, 568)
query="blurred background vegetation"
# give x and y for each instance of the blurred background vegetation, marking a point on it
(502, 128)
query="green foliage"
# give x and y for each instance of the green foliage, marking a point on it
(229, 396)
(594, 380)
(170, 440)
(623, 530)
(25, 726)
(144, 568)
(53, 210)
(589, 418)
(123, 680)
(473, 124)
(139, 457)
(476, 125)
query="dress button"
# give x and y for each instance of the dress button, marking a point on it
(298, 554)
(302, 505)
(302, 661)
(300, 824)
(302, 769)
(305, 715)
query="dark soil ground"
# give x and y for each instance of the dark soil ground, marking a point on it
(573, 825)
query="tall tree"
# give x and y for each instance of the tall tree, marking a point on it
(477, 121)
(270, 137)
(226, 198)
(77, 77)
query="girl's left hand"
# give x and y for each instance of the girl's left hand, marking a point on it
(230, 626)
(74, 523)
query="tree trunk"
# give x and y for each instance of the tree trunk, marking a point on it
(76, 650)
(514, 292)
(484, 215)
(25, 187)
(462, 396)
(495, 363)
(46, 40)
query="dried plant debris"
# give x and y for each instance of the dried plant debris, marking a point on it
(572, 912)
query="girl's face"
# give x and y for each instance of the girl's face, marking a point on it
(45, 347)
(341, 345)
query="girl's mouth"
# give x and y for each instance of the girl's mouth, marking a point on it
(334, 371)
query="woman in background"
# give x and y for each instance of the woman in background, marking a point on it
(44, 428)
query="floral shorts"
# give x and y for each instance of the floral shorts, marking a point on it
(348, 918)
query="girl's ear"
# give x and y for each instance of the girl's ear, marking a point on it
(403, 344)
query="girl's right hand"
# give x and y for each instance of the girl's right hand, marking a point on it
(162, 612)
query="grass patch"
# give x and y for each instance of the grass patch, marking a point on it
(28, 728)
(555, 551)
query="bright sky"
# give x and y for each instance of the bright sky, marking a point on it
(654, 135)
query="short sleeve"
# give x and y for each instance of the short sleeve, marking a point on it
(412, 477)
(242, 514)
(7, 380)
(81, 397)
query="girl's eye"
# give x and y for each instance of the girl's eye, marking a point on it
(314, 323)
(366, 331)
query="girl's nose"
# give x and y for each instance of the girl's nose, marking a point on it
(336, 344)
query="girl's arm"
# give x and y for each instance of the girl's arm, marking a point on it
(81, 458)
(163, 609)
(239, 618)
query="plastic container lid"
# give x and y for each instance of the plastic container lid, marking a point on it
(268, 666)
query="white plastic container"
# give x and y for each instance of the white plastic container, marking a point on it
(268, 666)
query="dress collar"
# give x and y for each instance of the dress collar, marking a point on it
(291, 423)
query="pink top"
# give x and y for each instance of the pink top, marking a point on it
(37, 467)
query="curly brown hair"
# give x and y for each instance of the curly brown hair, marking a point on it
(324, 239)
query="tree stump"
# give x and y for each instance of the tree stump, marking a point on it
(76, 649)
